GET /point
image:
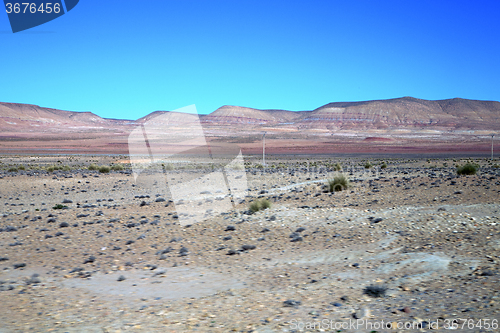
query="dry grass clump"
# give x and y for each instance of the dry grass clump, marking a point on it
(467, 169)
(260, 205)
(339, 183)
(104, 169)
(117, 167)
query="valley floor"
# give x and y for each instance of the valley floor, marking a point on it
(409, 244)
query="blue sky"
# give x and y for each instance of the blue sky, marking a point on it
(125, 59)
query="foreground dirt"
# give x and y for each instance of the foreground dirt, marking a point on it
(118, 259)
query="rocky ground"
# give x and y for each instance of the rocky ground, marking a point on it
(410, 244)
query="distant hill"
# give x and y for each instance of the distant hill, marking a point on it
(16, 117)
(243, 115)
(406, 112)
(398, 113)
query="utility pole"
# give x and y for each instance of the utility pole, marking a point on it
(492, 136)
(264, 149)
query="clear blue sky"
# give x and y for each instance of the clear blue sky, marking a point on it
(125, 59)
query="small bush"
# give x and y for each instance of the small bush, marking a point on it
(13, 169)
(169, 166)
(338, 183)
(368, 165)
(467, 169)
(255, 206)
(337, 167)
(50, 168)
(265, 204)
(66, 168)
(93, 167)
(104, 169)
(117, 167)
(383, 166)
(21, 167)
(260, 205)
(237, 167)
(59, 206)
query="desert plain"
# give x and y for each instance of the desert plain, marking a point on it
(407, 242)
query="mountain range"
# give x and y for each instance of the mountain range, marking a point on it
(366, 119)
(405, 112)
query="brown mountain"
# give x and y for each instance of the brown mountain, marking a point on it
(24, 118)
(406, 112)
(402, 121)
(229, 114)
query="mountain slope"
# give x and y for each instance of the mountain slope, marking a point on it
(398, 113)
(15, 117)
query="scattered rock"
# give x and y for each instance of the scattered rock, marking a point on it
(375, 291)
(183, 252)
(89, 260)
(291, 303)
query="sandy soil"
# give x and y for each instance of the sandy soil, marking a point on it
(347, 142)
(117, 257)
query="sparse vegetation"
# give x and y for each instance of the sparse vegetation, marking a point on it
(265, 203)
(238, 166)
(168, 166)
(52, 168)
(260, 205)
(104, 169)
(21, 167)
(12, 169)
(467, 169)
(93, 167)
(59, 206)
(338, 183)
(368, 165)
(117, 167)
(337, 167)
(383, 166)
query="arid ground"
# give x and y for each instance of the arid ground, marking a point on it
(408, 242)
